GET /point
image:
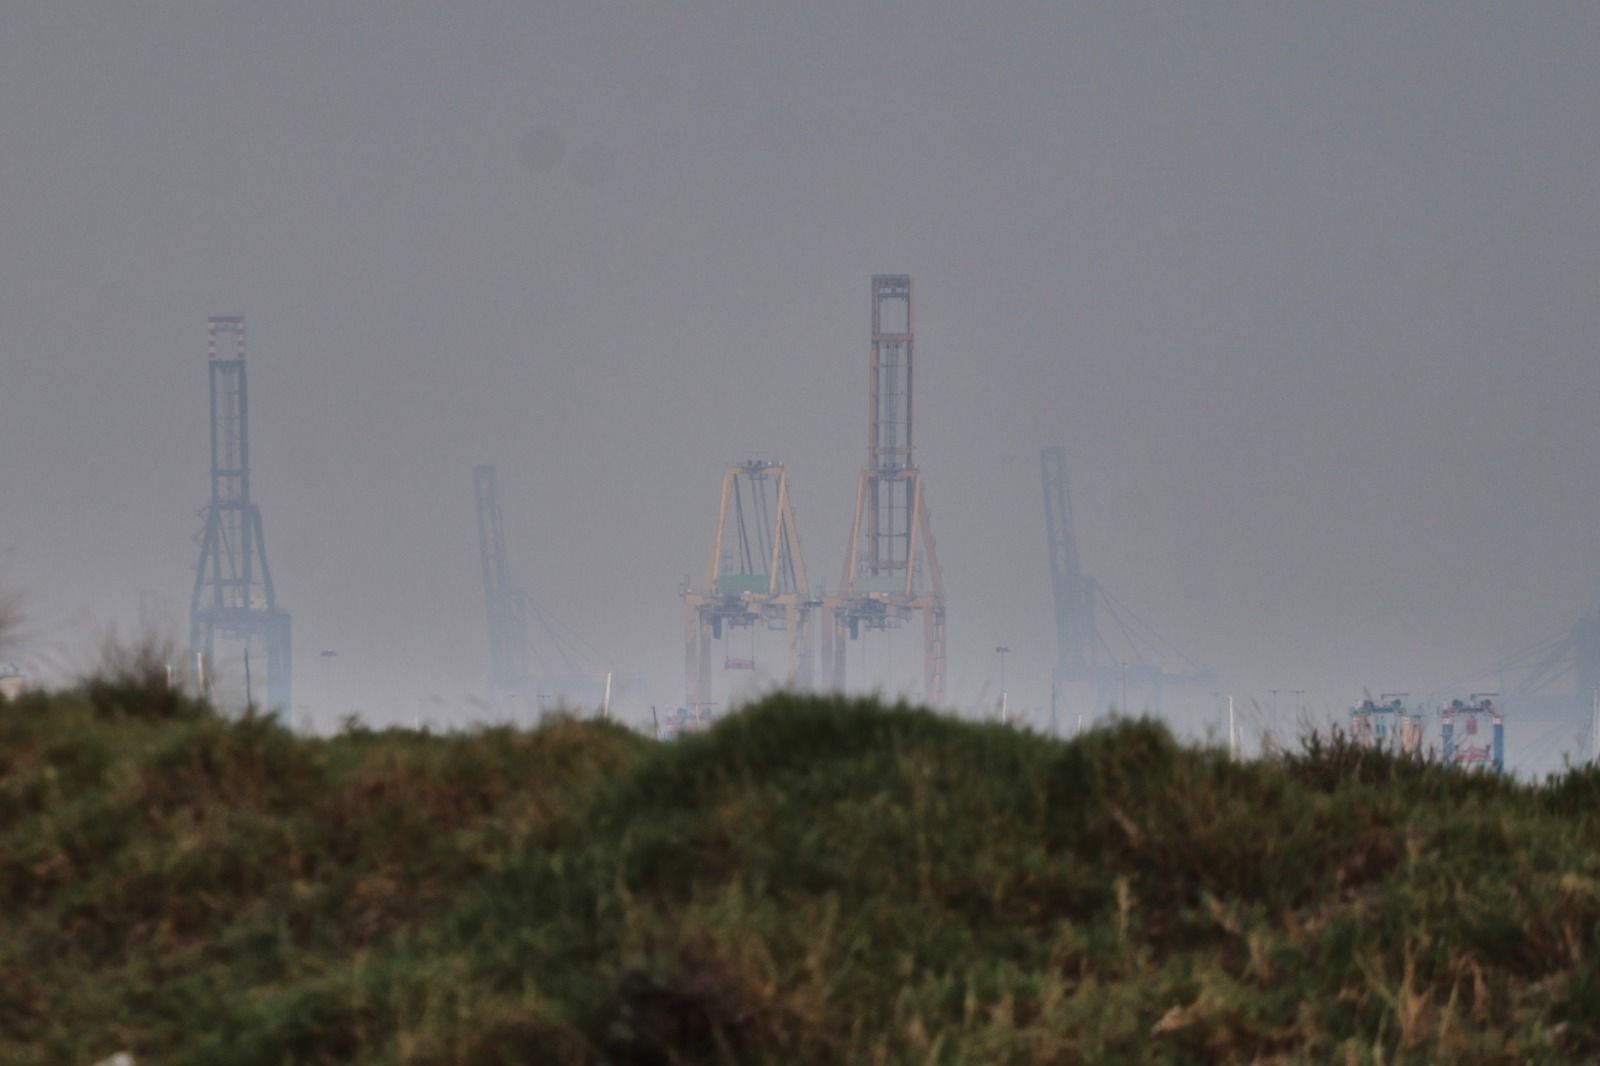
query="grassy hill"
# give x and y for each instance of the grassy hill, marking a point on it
(815, 881)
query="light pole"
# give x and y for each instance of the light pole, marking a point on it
(1233, 732)
(1298, 710)
(1002, 651)
(327, 655)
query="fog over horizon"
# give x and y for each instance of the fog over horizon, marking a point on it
(1306, 292)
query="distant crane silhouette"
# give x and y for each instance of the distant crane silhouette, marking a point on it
(1111, 657)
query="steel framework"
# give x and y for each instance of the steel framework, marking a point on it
(1470, 748)
(1386, 723)
(233, 594)
(1074, 591)
(531, 656)
(1107, 658)
(756, 576)
(504, 603)
(891, 564)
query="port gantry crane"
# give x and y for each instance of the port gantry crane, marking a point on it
(520, 667)
(1553, 689)
(755, 577)
(891, 564)
(1108, 659)
(1547, 667)
(233, 595)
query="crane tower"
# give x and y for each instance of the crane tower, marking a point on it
(233, 596)
(531, 655)
(891, 564)
(1107, 658)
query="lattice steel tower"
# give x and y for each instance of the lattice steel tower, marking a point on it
(891, 565)
(233, 595)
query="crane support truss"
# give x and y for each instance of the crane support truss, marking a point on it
(755, 576)
(891, 568)
(233, 596)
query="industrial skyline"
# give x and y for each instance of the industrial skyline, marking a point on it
(1306, 295)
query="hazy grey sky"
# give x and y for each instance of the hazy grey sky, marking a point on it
(1308, 292)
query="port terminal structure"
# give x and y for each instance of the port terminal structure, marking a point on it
(233, 595)
(891, 569)
(755, 579)
(1550, 688)
(1386, 723)
(1464, 740)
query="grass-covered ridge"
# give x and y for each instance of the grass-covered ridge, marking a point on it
(815, 881)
